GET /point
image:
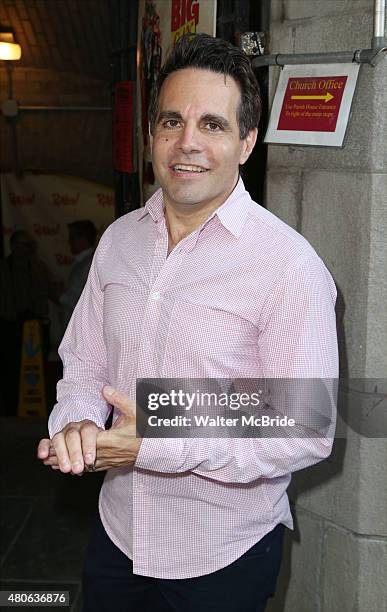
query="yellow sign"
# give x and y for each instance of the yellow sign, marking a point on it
(190, 26)
(327, 97)
(32, 396)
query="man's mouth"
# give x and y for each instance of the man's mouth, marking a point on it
(188, 168)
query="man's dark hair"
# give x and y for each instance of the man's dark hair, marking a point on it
(208, 53)
(84, 229)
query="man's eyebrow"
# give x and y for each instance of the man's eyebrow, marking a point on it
(169, 114)
(222, 121)
(208, 118)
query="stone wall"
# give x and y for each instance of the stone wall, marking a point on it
(336, 559)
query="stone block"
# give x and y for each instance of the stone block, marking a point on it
(353, 572)
(330, 489)
(373, 574)
(373, 486)
(283, 196)
(282, 37)
(276, 10)
(275, 72)
(299, 580)
(329, 33)
(376, 357)
(334, 32)
(340, 571)
(348, 488)
(344, 217)
(335, 219)
(302, 9)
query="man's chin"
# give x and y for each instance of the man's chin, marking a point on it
(188, 196)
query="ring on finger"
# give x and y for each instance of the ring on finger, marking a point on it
(90, 467)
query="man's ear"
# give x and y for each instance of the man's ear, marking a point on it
(248, 145)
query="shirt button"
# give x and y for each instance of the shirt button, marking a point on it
(155, 295)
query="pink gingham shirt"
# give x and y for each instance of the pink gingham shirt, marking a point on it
(243, 295)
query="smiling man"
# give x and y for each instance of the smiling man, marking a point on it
(201, 283)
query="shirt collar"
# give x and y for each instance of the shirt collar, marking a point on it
(153, 207)
(232, 213)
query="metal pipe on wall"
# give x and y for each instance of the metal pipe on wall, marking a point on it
(379, 39)
(360, 56)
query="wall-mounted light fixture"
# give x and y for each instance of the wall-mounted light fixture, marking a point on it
(10, 52)
(9, 49)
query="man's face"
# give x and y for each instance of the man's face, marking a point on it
(196, 148)
(24, 247)
(77, 243)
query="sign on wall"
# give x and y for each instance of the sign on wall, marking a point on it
(312, 105)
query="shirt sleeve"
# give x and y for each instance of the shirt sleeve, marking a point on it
(297, 340)
(83, 353)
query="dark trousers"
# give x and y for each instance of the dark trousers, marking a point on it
(244, 586)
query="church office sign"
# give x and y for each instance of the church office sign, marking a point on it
(312, 105)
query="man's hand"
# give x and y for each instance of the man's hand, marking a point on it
(72, 448)
(116, 447)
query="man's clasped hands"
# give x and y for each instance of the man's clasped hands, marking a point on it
(83, 444)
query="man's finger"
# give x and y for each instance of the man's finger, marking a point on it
(119, 400)
(44, 448)
(52, 460)
(60, 447)
(89, 434)
(73, 442)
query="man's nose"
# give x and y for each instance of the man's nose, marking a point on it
(190, 140)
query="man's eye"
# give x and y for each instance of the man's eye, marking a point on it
(171, 123)
(213, 127)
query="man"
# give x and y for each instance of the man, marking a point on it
(201, 283)
(82, 237)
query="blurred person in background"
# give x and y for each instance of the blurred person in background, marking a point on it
(82, 239)
(26, 286)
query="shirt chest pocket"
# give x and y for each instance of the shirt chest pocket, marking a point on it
(123, 314)
(199, 334)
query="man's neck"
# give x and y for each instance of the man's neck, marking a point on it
(182, 221)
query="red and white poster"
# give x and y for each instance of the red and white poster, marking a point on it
(43, 205)
(312, 105)
(161, 24)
